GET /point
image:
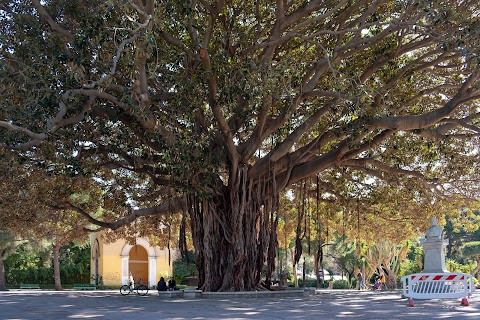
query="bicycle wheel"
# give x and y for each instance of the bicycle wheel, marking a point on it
(124, 290)
(142, 290)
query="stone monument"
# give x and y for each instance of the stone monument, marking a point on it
(434, 248)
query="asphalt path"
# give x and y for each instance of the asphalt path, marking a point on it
(325, 304)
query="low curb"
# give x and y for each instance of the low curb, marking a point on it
(198, 294)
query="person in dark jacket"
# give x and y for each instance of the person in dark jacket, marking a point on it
(162, 285)
(172, 284)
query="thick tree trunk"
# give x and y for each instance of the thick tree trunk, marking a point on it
(56, 267)
(233, 233)
(299, 233)
(295, 275)
(318, 265)
(3, 282)
(182, 240)
(272, 250)
(390, 278)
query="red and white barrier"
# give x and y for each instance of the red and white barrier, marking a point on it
(449, 285)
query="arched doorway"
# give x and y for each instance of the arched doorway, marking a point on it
(138, 263)
(150, 265)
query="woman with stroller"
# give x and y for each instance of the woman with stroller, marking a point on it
(377, 285)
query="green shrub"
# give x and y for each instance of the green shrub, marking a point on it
(308, 283)
(182, 270)
(341, 284)
(354, 283)
(26, 266)
(407, 267)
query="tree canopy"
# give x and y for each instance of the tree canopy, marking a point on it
(213, 108)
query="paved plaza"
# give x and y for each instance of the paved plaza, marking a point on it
(49, 305)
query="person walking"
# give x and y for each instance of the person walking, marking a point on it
(360, 280)
(383, 282)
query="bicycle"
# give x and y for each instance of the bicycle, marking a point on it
(141, 289)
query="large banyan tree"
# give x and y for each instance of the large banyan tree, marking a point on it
(215, 107)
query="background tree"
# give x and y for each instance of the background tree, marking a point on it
(344, 255)
(385, 257)
(7, 244)
(61, 227)
(285, 236)
(472, 250)
(56, 200)
(218, 107)
(461, 227)
(32, 262)
(16, 218)
(38, 205)
(413, 263)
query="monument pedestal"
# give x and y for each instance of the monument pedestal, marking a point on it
(434, 256)
(434, 249)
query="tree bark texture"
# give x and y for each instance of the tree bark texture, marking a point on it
(318, 265)
(182, 239)
(3, 282)
(56, 267)
(234, 234)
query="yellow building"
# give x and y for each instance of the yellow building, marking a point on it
(114, 262)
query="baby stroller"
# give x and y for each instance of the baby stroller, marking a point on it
(377, 285)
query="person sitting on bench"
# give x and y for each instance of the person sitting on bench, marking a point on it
(172, 284)
(162, 285)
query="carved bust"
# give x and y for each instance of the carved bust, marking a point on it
(435, 231)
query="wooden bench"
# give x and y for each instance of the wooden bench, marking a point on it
(448, 285)
(84, 286)
(29, 286)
